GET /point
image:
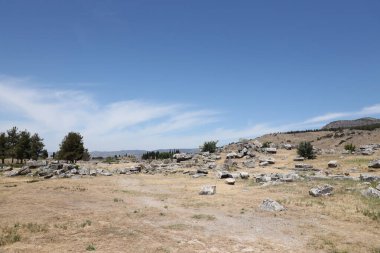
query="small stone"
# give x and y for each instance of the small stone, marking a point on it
(230, 181)
(271, 205)
(332, 164)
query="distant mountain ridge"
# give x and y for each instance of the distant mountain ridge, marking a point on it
(352, 123)
(136, 152)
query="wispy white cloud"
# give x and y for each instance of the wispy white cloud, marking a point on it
(125, 123)
(130, 124)
(366, 111)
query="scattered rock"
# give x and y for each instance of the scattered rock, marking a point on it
(182, 157)
(208, 190)
(197, 175)
(231, 155)
(324, 190)
(371, 192)
(270, 150)
(244, 175)
(369, 177)
(299, 159)
(249, 163)
(374, 164)
(332, 164)
(223, 174)
(230, 181)
(271, 205)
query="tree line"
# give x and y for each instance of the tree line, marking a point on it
(23, 145)
(20, 145)
(154, 155)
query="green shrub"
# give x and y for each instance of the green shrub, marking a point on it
(350, 147)
(305, 149)
(91, 247)
(209, 146)
(266, 144)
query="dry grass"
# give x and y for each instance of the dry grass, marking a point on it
(157, 213)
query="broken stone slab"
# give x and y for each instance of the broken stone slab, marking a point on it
(263, 178)
(369, 177)
(197, 175)
(367, 152)
(35, 164)
(249, 163)
(263, 164)
(290, 177)
(371, 192)
(223, 174)
(3, 169)
(269, 160)
(325, 190)
(270, 150)
(201, 171)
(374, 164)
(182, 157)
(231, 155)
(18, 172)
(303, 166)
(230, 181)
(299, 159)
(208, 190)
(271, 206)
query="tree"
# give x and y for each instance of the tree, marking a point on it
(13, 137)
(22, 149)
(44, 154)
(305, 149)
(209, 146)
(3, 147)
(72, 148)
(36, 146)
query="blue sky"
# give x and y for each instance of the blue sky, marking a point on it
(171, 74)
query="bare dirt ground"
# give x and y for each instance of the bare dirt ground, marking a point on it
(164, 213)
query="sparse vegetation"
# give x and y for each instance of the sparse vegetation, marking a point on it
(91, 247)
(209, 146)
(350, 147)
(305, 149)
(266, 144)
(203, 217)
(9, 235)
(86, 223)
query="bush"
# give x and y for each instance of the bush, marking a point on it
(305, 149)
(266, 144)
(209, 146)
(350, 147)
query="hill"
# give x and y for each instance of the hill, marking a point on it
(357, 123)
(326, 139)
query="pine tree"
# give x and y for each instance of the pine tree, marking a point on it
(23, 145)
(3, 147)
(72, 148)
(36, 146)
(12, 137)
